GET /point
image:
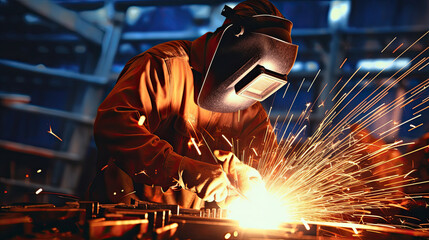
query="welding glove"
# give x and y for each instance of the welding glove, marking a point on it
(242, 176)
(208, 181)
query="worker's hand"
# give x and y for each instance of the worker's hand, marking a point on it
(245, 178)
(208, 181)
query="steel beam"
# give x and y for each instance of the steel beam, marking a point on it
(87, 103)
(39, 151)
(65, 18)
(4, 63)
(29, 108)
(124, 4)
(386, 30)
(159, 36)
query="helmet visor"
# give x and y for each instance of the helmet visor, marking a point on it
(246, 67)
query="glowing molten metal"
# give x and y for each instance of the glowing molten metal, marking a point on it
(260, 210)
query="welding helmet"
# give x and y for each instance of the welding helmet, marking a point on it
(248, 65)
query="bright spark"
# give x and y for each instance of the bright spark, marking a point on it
(388, 44)
(305, 224)
(414, 127)
(196, 146)
(193, 129)
(424, 66)
(355, 230)
(255, 151)
(339, 80)
(406, 175)
(226, 139)
(421, 110)
(317, 74)
(102, 169)
(141, 172)
(287, 87)
(53, 134)
(343, 63)
(346, 83)
(398, 47)
(141, 120)
(39, 190)
(129, 194)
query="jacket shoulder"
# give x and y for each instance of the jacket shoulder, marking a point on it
(161, 52)
(171, 49)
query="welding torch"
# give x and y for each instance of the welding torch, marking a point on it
(233, 185)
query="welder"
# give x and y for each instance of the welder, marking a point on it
(167, 131)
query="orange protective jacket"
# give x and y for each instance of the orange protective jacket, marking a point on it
(139, 161)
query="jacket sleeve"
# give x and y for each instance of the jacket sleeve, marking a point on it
(142, 90)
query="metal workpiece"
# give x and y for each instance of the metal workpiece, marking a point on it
(192, 227)
(157, 218)
(110, 228)
(113, 221)
(12, 223)
(213, 213)
(40, 221)
(91, 207)
(175, 209)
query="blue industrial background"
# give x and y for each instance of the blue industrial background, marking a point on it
(60, 58)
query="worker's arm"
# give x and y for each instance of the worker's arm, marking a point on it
(143, 90)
